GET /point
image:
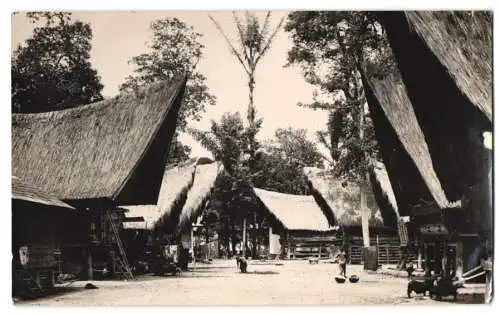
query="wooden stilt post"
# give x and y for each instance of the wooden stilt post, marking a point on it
(192, 244)
(289, 244)
(419, 258)
(437, 262)
(426, 256)
(90, 270)
(270, 228)
(459, 261)
(446, 260)
(243, 250)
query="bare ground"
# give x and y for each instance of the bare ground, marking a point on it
(220, 283)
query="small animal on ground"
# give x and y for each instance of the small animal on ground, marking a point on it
(444, 287)
(419, 287)
(314, 260)
(90, 286)
(241, 264)
(410, 268)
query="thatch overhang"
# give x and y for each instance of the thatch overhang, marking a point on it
(389, 94)
(382, 178)
(294, 212)
(406, 159)
(449, 95)
(384, 194)
(199, 193)
(343, 199)
(25, 192)
(463, 42)
(114, 149)
(176, 182)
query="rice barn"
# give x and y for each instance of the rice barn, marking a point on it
(96, 158)
(341, 200)
(405, 153)
(297, 226)
(189, 227)
(455, 52)
(450, 110)
(170, 221)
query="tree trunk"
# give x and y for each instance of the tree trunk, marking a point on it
(243, 251)
(233, 241)
(365, 216)
(254, 236)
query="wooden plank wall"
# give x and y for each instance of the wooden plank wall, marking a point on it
(389, 249)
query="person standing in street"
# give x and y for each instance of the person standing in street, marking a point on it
(342, 258)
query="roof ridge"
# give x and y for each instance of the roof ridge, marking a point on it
(79, 109)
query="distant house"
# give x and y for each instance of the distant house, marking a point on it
(297, 226)
(38, 224)
(100, 156)
(341, 201)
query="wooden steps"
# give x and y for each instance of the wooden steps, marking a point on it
(120, 261)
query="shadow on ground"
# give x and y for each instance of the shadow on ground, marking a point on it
(263, 272)
(210, 268)
(54, 292)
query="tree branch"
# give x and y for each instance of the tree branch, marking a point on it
(235, 52)
(269, 40)
(241, 34)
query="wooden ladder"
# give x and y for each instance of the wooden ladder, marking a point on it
(120, 258)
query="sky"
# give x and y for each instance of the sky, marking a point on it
(118, 36)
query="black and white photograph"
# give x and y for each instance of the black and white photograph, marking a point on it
(251, 158)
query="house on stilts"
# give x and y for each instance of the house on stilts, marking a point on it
(432, 113)
(341, 201)
(298, 227)
(97, 158)
(183, 196)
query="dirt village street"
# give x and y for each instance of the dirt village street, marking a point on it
(221, 284)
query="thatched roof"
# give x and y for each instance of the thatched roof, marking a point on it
(343, 198)
(295, 212)
(463, 43)
(204, 180)
(176, 182)
(395, 103)
(23, 191)
(384, 182)
(444, 89)
(95, 151)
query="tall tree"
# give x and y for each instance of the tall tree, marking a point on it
(331, 47)
(254, 41)
(51, 70)
(175, 48)
(227, 141)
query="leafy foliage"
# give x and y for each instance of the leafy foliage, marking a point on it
(232, 196)
(286, 156)
(332, 47)
(52, 70)
(226, 140)
(174, 49)
(178, 151)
